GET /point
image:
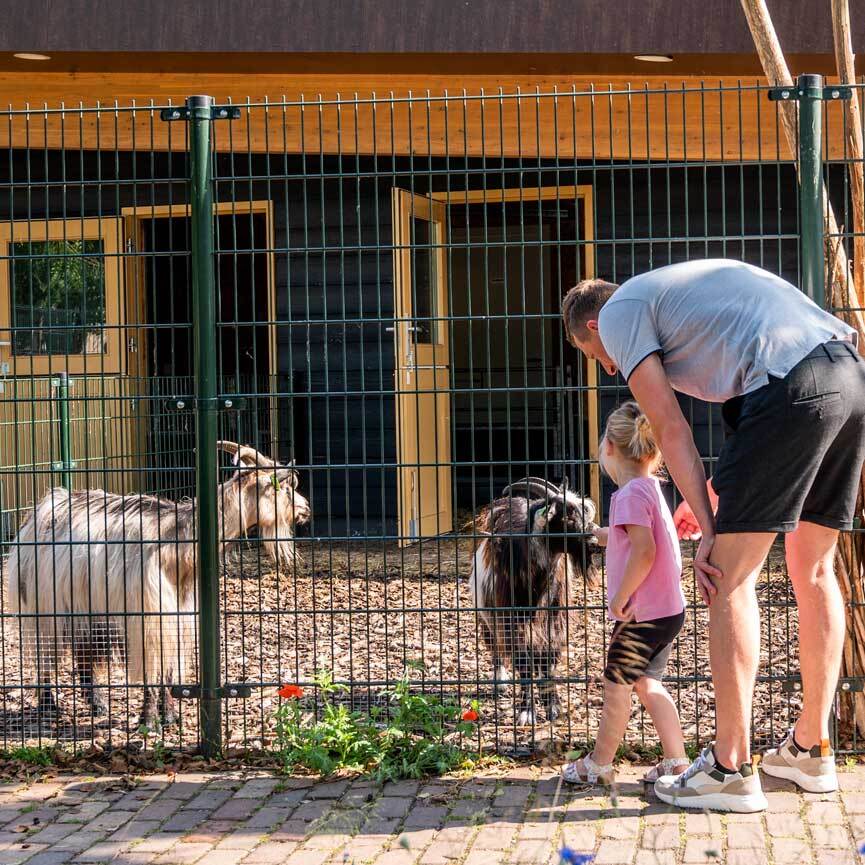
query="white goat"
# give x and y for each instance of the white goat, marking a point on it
(96, 572)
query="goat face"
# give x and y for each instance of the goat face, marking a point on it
(563, 515)
(281, 509)
(269, 500)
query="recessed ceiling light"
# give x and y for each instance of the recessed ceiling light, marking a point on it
(654, 58)
(26, 56)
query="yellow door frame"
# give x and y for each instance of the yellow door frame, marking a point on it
(585, 194)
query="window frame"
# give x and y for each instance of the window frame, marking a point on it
(109, 232)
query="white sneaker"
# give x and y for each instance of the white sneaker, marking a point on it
(702, 785)
(812, 770)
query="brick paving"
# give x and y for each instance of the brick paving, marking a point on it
(515, 818)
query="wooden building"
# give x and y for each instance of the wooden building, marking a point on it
(407, 193)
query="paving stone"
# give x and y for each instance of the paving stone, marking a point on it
(399, 856)
(747, 857)
(158, 842)
(333, 790)
(785, 825)
(790, 851)
(703, 824)
(209, 800)
(616, 852)
(266, 818)
(835, 857)
(699, 850)
(665, 837)
(291, 830)
(111, 820)
(620, 828)
(184, 854)
(486, 857)
(405, 789)
(105, 851)
(307, 857)
(496, 836)
(82, 839)
(270, 853)
(426, 816)
(53, 833)
(51, 857)
(184, 820)
(826, 813)
(836, 837)
(83, 812)
(655, 857)
(745, 836)
(257, 788)
(538, 831)
(441, 853)
(209, 832)
(223, 857)
(240, 839)
(783, 801)
(854, 803)
(533, 853)
(236, 809)
(182, 790)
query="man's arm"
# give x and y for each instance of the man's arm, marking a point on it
(652, 390)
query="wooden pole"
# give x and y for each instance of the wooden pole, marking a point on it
(855, 150)
(775, 66)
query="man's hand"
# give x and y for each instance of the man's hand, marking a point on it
(620, 607)
(687, 527)
(705, 572)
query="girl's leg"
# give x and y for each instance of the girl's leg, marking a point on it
(614, 721)
(662, 709)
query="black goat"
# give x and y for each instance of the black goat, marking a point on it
(520, 580)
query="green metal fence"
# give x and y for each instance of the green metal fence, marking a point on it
(272, 275)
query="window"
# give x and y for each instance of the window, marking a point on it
(61, 296)
(58, 297)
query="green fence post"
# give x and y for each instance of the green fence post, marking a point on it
(204, 351)
(61, 384)
(811, 254)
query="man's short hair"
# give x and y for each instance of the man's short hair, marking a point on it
(584, 302)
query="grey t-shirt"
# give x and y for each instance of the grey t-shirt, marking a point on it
(721, 326)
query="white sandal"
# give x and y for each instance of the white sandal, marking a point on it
(591, 772)
(674, 766)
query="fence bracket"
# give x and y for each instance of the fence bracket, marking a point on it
(217, 112)
(190, 403)
(794, 94)
(846, 685)
(227, 691)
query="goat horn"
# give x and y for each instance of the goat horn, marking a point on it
(533, 486)
(245, 454)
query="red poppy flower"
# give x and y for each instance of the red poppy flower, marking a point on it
(470, 715)
(290, 692)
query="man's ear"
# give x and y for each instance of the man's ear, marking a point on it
(592, 324)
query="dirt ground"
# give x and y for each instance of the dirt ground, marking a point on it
(363, 611)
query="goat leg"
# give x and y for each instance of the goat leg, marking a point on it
(523, 662)
(47, 707)
(84, 668)
(150, 715)
(170, 714)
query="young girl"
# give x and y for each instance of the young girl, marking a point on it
(644, 596)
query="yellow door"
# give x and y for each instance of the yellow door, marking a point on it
(61, 311)
(422, 367)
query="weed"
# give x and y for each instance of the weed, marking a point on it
(414, 736)
(34, 756)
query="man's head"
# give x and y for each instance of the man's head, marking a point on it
(580, 310)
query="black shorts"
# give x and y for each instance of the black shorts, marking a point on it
(795, 447)
(640, 649)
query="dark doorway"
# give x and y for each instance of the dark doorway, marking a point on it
(243, 350)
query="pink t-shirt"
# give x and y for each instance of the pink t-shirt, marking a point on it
(641, 503)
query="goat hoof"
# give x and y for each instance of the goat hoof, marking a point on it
(526, 718)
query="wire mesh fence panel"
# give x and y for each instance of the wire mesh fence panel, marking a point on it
(388, 276)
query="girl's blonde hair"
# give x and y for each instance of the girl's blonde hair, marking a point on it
(630, 431)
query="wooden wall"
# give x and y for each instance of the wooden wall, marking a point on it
(597, 118)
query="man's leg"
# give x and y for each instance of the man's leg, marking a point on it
(810, 554)
(734, 640)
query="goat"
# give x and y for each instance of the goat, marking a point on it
(96, 572)
(520, 579)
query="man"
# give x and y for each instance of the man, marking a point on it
(793, 389)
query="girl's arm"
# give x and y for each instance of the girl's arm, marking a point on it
(637, 568)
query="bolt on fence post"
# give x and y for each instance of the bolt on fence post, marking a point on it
(204, 352)
(65, 464)
(811, 250)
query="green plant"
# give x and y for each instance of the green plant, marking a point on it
(414, 736)
(35, 756)
(337, 739)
